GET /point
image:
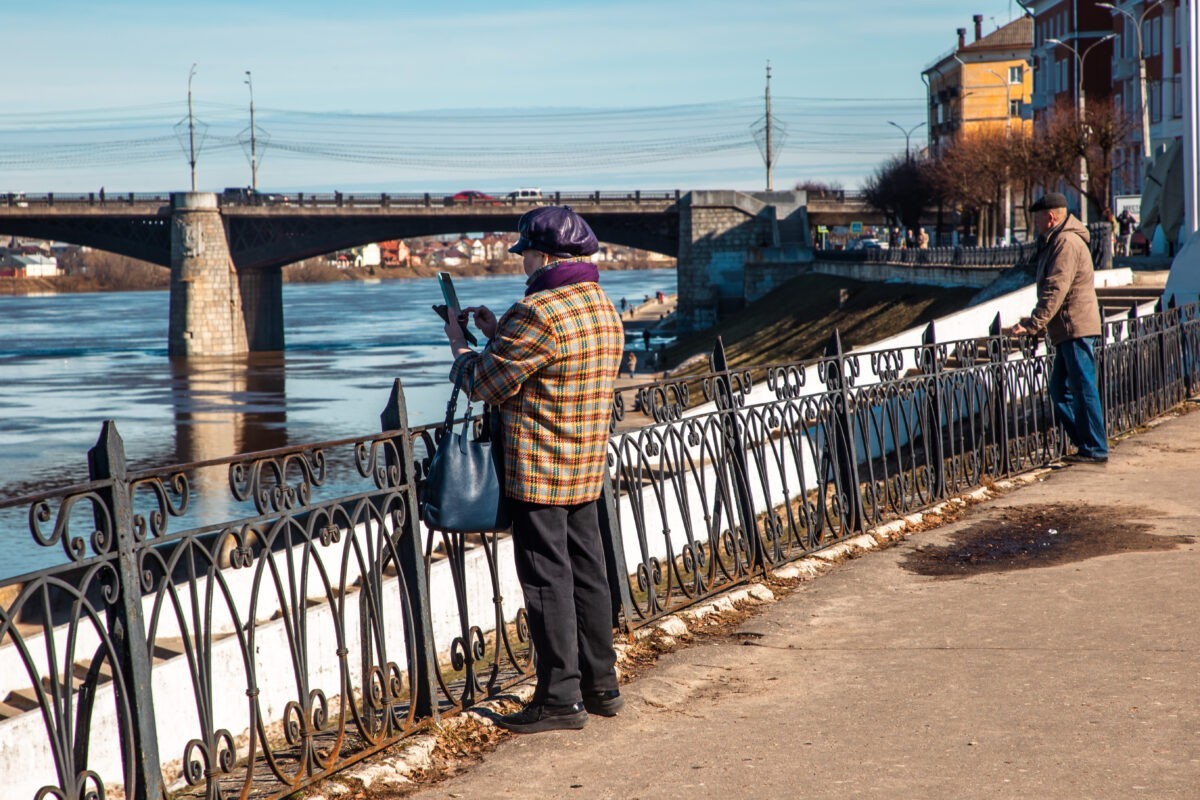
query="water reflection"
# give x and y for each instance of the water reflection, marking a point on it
(225, 406)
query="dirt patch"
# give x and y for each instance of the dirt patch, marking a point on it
(1041, 536)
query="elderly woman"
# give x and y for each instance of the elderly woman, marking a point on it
(549, 366)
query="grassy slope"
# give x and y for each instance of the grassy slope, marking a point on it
(794, 322)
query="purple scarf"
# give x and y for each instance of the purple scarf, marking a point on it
(564, 274)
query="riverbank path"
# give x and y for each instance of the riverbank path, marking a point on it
(1065, 668)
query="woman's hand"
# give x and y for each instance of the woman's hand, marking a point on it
(485, 320)
(458, 341)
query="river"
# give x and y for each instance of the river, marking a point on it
(68, 362)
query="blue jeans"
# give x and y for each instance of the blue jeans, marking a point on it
(1076, 396)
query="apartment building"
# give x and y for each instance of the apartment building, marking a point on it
(987, 82)
(1071, 34)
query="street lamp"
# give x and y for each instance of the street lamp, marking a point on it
(1137, 26)
(1080, 108)
(907, 133)
(1007, 134)
(253, 141)
(191, 129)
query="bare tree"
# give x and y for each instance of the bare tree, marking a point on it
(972, 172)
(902, 188)
(1063, 138)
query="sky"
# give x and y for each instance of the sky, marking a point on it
(404, 96)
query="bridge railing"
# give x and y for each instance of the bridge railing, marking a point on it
(53, 199)
(990, 257)
(348, 200)
(315, 620)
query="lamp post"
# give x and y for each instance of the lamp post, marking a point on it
(191, 129)
(253, 149)
(1080, 111)
(907, 134)
(1007, 133)
(1137, 26)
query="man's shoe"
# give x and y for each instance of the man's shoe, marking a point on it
(603, 704)
(535, 718)
(1082, 458)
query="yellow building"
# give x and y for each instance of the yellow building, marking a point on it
(984, 84)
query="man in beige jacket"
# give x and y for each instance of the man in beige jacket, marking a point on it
(1069, 313)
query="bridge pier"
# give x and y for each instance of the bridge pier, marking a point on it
(217, 310)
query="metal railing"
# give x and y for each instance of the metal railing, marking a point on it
(315, 620)
(348, 200)
(960, 256)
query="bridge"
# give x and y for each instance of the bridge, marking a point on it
(226, 252)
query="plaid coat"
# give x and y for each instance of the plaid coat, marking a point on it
(550, 369)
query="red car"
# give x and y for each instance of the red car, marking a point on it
(473, 198)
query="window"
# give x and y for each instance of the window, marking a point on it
(1016, 74)
(1177, 90)
(1014, 108)
(1156, 35)
(1154, 89)
(1178, 24)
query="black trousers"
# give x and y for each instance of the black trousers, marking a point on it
(560, 563)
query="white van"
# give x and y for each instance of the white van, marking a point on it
(525, 196)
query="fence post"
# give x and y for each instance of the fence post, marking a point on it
(126, 626)
(998, 351)
(394, 417)
(842, 448)
(735, 446)
(931, 366)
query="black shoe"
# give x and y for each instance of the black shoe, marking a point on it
(603, 704)
(1081, 458)
(535, 718)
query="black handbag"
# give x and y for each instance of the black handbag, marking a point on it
(464, 489)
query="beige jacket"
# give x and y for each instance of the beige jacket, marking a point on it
(1067, 307)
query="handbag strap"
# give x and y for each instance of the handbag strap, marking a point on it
(452, 405)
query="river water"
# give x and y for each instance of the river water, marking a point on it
(69, 362)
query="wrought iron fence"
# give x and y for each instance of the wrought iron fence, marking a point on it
(960, 256)
(306, 628)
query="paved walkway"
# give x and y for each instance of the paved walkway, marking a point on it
(1078, 679)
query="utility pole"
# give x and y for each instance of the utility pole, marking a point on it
(770, 157)
(191, 129)
(253, 148)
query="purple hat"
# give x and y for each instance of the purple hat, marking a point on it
(555, 230)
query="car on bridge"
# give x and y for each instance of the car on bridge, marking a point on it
(471, 197)
(525, 196)
(244, 195)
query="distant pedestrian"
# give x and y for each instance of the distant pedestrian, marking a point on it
(1125, 226)
(630, 363)
(624, 304)
(1068, 312)
(922, 239)
(646, 338)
